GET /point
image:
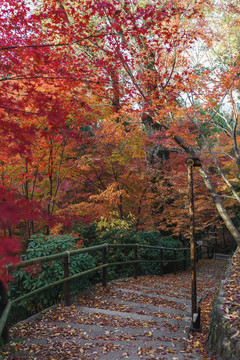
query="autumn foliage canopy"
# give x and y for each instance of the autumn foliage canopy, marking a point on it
(101, 102)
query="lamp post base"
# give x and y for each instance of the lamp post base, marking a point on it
(196, 321)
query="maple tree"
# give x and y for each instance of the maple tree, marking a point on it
(123, 68)
(38, 121)
(111, 180)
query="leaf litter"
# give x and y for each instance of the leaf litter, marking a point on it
(68, 333)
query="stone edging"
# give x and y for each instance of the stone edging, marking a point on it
(221, 341)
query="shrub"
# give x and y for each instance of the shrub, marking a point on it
(93, 236)
(39, 275)
(152, 238)
(88, 233)
(119, 236)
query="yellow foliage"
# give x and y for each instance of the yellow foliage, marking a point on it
(115, 223)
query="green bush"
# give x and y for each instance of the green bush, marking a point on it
(88, 233)
(151, 266)
(152, 238)
(119, 236)
(27, 280)
(92, 236)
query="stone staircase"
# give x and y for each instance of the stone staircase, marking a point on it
(144, 318)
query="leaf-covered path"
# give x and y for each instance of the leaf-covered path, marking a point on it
(147, 318)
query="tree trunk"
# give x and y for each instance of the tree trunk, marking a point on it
(220, 207)
(216, 198)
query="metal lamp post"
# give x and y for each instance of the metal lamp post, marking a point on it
(195, 325)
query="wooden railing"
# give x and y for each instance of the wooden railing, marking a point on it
(6, 304)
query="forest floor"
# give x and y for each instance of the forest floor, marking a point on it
(143, 318)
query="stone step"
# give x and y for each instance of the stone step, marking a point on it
(181, 301)
(151, 308)
(95, 349)
(90, 331)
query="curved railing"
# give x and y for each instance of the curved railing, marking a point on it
(6, 304)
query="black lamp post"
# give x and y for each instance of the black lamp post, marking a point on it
(195, 325)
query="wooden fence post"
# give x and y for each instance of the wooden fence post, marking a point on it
(175, 261)
(136, 264)
(104, 270)
(66, 265)
(161, 265)
(3, 304)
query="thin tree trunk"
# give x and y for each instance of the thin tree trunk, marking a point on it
(9, 231)
(50, 177)
(28, 227)
(32, 226)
